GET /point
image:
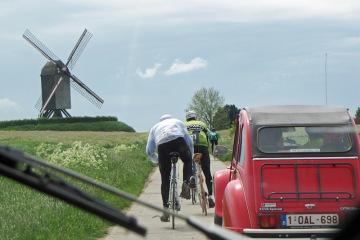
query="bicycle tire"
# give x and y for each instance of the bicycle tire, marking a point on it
(173, 204)
(205, 204)
(193, 196)
(203, 194)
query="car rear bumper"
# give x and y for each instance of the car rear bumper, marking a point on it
(285, 233)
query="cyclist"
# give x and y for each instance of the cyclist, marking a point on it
(170, 135)
(199, 132)
(214, 137)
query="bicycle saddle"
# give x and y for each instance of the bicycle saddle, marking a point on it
(174, 156)
(197, 157)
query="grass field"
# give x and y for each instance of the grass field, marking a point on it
(116, 158)
(226, 139)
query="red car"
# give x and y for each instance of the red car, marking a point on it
(294, 172)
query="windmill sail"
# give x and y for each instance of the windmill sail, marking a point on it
(38, 104)
(36, 43)
(85, 91)
(78, 49)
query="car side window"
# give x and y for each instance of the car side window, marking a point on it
(237, 141)
(243, 144)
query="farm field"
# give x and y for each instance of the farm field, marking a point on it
(116, 158)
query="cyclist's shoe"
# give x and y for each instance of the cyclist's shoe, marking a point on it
(185, 191)
(165, 216)
(192, 182)
(211, 202)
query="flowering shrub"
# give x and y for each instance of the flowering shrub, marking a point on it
(78, 154)
(118, 149)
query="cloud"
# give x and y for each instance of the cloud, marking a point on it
(181, 67)
(6, 105)
(68, 16)
(149, 72)
(190, 11)
(352, 41)
(10, 109)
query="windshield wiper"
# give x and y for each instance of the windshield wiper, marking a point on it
(41, 176)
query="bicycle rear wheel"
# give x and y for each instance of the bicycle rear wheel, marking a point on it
(203, 204)
(193, 195)
(173, 204)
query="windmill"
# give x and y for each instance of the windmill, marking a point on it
(56, 79)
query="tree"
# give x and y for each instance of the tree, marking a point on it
(221, 120)
(205, 103)
(225, 116)
(233, 112)
(357, 116)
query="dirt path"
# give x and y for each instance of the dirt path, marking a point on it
(150, 219)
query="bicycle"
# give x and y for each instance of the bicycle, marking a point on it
(193, 192)
(174, 203)
(199, 180)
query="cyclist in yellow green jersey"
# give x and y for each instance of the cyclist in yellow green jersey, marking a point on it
(199, 132)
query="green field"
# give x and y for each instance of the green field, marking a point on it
(116, 158)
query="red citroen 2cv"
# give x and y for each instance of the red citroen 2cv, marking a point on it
(294, 172)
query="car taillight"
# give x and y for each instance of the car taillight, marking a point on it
(268, 221)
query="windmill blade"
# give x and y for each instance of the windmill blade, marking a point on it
(50, 96)
(81, 88)
(36, 43)
(79, 48)
(38, 103)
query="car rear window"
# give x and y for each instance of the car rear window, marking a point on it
(304, 139)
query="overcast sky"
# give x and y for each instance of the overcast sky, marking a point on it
(147, 58)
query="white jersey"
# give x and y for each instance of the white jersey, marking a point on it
(165, 131)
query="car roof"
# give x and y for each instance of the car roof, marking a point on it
(297, 115)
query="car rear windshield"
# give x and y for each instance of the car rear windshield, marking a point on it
(304, 139)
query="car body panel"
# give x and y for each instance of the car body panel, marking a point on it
(221, 179)
(235, 204)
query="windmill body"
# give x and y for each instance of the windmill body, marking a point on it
(56, 79)
(61, 99)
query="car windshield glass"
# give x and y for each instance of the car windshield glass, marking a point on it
(304, 139)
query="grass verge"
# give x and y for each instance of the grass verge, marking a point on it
(117, 159)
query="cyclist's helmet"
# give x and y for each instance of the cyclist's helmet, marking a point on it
(190, 115)
(165, 116)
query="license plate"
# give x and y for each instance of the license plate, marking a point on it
(298, 220)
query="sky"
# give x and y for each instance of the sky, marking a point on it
(148, 58)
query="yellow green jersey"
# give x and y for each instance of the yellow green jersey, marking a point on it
(198, 130)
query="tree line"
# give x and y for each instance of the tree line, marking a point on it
(209, 105)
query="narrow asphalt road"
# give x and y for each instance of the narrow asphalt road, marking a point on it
(150, 218)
